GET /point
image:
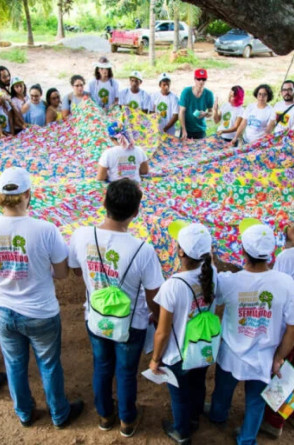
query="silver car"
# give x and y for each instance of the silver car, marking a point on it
(239, 43)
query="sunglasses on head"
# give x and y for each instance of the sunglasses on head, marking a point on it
(197, 78)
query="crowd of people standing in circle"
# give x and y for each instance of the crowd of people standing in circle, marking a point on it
(20, 106)
(257, 324)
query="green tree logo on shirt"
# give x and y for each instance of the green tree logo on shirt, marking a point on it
(103, 94)
(132, 159)
(113, 257)
(19, 242)
(133, 104)
(266, 297)
(162, 108)
(3, 121)
(226, 119)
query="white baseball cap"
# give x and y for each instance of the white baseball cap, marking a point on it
(258, 241)
(14, 180)
(195, 240)
(137, 75)
(16, 80)
(163, 76)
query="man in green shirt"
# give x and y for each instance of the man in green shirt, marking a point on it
(195, 105)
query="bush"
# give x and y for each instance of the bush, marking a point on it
(41, 24)
(17, 55)
(89, 22)
(217, 28)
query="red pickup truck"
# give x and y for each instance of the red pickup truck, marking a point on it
(126, 39)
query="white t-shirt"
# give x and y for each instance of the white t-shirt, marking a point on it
(176, 297)
(4, 119)
(287, 122)
(103, 93)
(285, 262)
(123, 163)
(117, 250)
(257, 308)
(165, 106)
(229, 116)
(257, 121)
(28, 247)
(134, 100)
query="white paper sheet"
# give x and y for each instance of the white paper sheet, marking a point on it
(278, 390)
(167, 377)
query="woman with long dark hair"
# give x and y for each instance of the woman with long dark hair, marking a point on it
(18, 93)
(53, 111)
(103, 88)
(177, 306)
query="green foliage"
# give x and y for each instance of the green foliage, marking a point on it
(163, 64)
(217, 28)
(42, 24)
(18, 55)
(89, 22)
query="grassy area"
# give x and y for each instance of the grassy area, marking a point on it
(18, 55)
(22, 37)
(163, 63)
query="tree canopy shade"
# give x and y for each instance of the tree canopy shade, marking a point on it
(272, 21)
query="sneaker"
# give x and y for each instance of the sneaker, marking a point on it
(106, 423)
(3, 378)
(174, 434)
(129, 429)
(271, 430)
(76, 409)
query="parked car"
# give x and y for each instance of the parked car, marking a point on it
(126, 39)
(164, 33)
(240, 43)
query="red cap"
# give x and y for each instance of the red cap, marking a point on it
(200, 74)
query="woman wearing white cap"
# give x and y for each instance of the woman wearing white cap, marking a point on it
(258, 329)
(30, 249)
(103, 88)
(18, 93)
(176, 298)
(166, 105)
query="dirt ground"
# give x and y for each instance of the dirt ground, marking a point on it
(52, 68)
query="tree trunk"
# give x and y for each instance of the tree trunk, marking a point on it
(190, 24)
(176, 28)
(29, 23)
(272, 21)
(60, 27)
(152, 33)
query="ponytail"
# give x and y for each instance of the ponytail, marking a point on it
(206, 278)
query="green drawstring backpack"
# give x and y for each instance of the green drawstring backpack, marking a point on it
(110, 308)
(202, 337)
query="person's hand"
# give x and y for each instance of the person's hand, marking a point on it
(184, 135)
(233, 142)
(154, 365)
(277, 363)
(215, 105)
(202, 114)
(219, 133)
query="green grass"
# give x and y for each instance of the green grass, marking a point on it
(63, 75)
(22, 37)
(163, 63)
(18, 55)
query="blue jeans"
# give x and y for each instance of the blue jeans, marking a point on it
(225, 385)
(122, 360)
(187, 400)
(17, 333)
